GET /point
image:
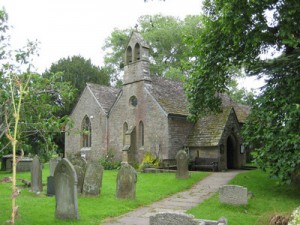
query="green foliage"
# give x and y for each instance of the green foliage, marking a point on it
(268, 200)
(149, 161)
(44, 98)
(77, 71)
(234, 34)
(109, 162)
(295, 219)
(167, 46)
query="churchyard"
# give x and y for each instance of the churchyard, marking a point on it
(37, 207)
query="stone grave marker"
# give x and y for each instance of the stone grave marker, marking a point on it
(126, 182)
(65, 181)
(182, 165)
(93, 179)
(233, 194)
(52, 164)
(80, 168)
(50, 186)
(36, 175)
(168, 218)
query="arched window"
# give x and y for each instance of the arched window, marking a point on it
(128, 55)
(141, 134)
(86, 132)
(125, 129)
(137, 52)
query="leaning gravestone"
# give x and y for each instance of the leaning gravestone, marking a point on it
(233, 194)
(182, 165)
(93, 179)
(65, 181)
(126, 182)
(80, 168)
(36, 175)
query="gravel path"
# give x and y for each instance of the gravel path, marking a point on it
(179, 202)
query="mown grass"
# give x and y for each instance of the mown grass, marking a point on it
(40, 209)
(269, 199)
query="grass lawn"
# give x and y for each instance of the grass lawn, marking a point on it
(39, 209)
(269, 199)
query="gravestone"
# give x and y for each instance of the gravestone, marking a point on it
(233, 194)
(36, 175)
(50, 186)
(65, 182)
(93, 179)
(182, 165)
(52, 164)
(126, 182)
(169, 218)
(80, 168)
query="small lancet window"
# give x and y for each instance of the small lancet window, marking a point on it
(128, 55)
(86, 132)
(141, 133)
(125, 129)
(137, 52)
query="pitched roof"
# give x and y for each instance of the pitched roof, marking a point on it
(208, 130)
(169, 94)
(105, 96)
(242, 111)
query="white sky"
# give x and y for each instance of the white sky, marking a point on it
(79, 27)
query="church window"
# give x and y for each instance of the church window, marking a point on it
(141, 133)
(137, 52)
(133, 101)
(86, 132)
(128, 55)
(125, 129)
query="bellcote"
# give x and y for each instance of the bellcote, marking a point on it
(136, 59)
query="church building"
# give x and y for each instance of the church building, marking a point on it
(149, 115)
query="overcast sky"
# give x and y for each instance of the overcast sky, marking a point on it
(79, 27)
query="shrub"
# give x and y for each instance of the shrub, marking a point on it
(149, 161)
(109, 162)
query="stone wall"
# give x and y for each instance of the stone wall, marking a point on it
(146, 110)
(87, 106)
(179, 129)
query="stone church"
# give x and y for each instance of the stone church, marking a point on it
(149, 114)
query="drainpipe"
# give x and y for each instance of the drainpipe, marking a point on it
(107, 132)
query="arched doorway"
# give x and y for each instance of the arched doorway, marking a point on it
(232, 151)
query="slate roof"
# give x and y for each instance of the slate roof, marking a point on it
(208, 130)
(169, 94)
(105, 96)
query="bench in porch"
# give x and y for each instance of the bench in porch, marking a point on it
(205, 164)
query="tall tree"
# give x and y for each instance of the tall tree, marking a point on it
(165, 35)
(78, 71)
(236, 34)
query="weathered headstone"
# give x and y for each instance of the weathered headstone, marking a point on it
(172, 218)
(50, 186)
(126, 182)
(182, 165)
(80, 172)
(233, 194)
(52, 164)
(80, 168)
(36, 175)
(93, 179)
(182, 219)
(65, 181)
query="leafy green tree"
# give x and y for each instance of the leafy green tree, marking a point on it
(235, 34)
(78, 71)
(165, 35)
